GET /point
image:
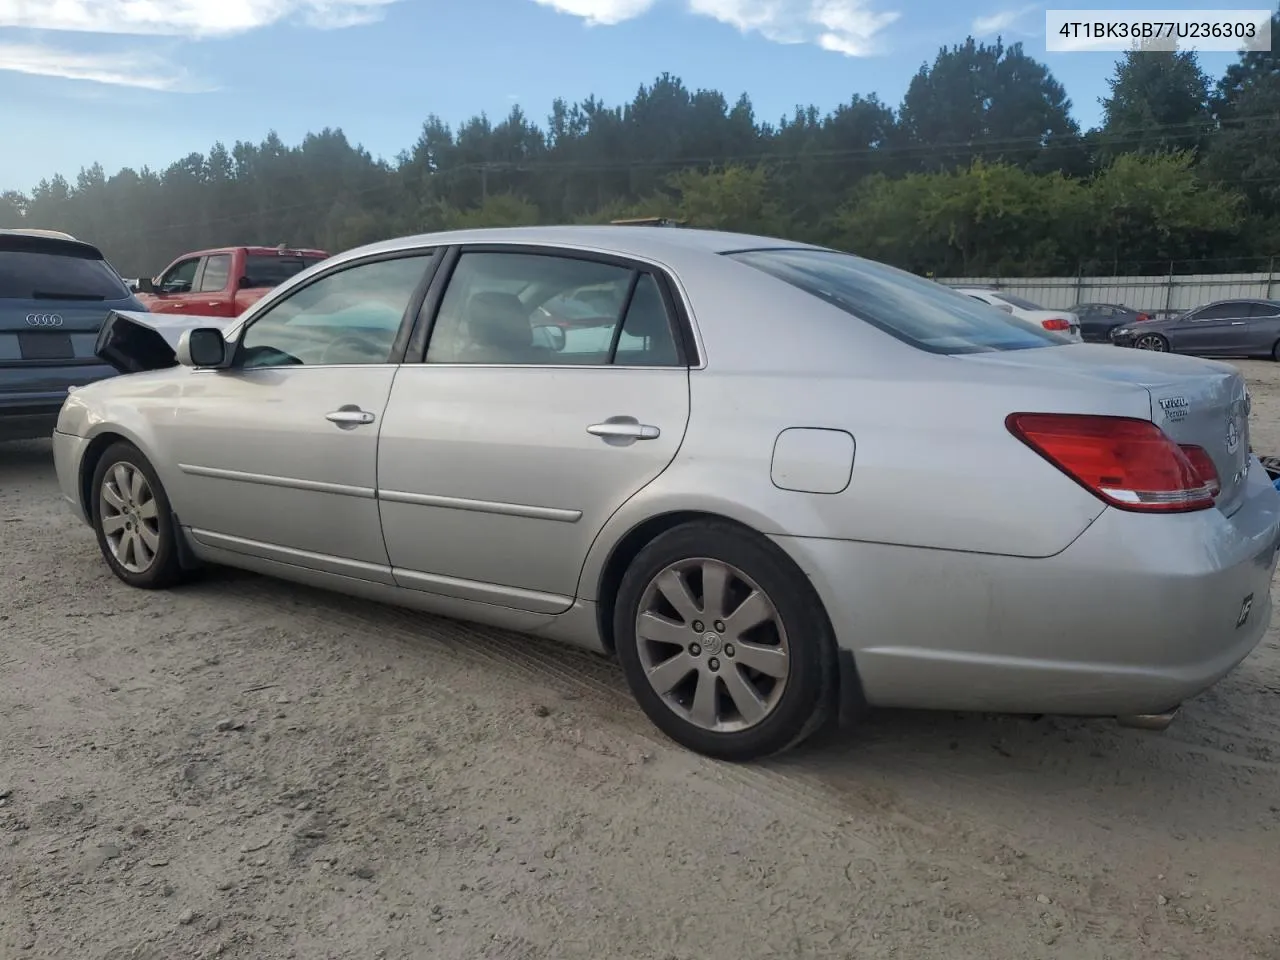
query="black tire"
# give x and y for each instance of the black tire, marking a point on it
(808, 697)
(165, 569)
(1275, 352)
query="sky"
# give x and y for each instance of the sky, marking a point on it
(146, 82)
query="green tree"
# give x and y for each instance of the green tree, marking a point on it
(1159, 102)
(980, 100)
(1147, 211)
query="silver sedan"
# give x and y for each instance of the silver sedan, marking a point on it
(778, 482)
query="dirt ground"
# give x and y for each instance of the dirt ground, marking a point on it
(246, 769)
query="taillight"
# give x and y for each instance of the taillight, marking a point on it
(1057, 324)
(1142, 317)
(1128, 463)
(1204, 467)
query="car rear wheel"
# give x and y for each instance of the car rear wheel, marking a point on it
(1152, 341)
(132, 520)
(724, 643)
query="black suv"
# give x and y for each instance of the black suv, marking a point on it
(55, 292)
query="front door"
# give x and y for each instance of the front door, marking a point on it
(1220, 329)
(277, 455)
(504, 453)
(176, 288)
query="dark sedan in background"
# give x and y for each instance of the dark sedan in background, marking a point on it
(1097, 320)
(1224, 328)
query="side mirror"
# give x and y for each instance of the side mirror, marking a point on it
(145, 285)
(550, 336)
(201, 347)
(244, 283)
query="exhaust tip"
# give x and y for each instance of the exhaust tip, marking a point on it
(1149, 721)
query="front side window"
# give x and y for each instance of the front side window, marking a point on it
(217, 270)
(179, 277)
(518, 308)
(1221, 311)
(351, 316)
(920, 312)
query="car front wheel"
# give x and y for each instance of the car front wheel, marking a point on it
(132, 520)
(724, 643)
(1152, 341)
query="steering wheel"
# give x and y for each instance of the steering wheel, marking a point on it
(362, 344)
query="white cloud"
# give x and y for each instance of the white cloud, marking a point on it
(119, 69)
(184, 18)
(998, 22)
(600, 12)
(844, 26)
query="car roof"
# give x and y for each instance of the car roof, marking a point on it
(35, 232)
(657, 243)
(46, 241)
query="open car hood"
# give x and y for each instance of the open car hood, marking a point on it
(133, 341)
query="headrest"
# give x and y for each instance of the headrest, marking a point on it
(497, 319)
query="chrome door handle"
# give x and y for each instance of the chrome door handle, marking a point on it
(1237, 323)
(213, 303)
(350, 416)
(623, 430)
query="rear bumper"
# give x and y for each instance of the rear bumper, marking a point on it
(1137, 615)
(30, 397)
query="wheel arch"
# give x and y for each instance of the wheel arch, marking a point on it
(98, 446)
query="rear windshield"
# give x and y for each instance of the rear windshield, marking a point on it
(273, 271)
(1017, 301)
(918, 311)
(70, 275)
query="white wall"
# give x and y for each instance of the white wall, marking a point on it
(1158, 294)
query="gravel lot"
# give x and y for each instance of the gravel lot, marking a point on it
(246, 769)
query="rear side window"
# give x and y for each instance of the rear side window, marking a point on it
(920, 312)
(70, 273)
(273, 271)
(217, 270)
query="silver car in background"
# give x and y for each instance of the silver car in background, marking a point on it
(730, 480)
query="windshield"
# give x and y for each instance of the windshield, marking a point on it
(32, 275)
(918, 311)
(1015, 300)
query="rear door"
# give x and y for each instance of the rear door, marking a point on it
(504, 452)
(213, 289)
(1096, 320)
(1264, 328)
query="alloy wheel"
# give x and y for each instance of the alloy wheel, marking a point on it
(1151, 341)
(712, 645)
(130, 517)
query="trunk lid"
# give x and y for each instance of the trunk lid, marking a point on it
(1200, 402)
(44, 330)
(132, 342)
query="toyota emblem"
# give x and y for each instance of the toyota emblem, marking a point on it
(44, 320)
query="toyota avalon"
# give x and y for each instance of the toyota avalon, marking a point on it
(732, 486)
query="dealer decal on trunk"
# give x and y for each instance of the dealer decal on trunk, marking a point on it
(1175, 408)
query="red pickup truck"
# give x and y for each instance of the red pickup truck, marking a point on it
(223, 282)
